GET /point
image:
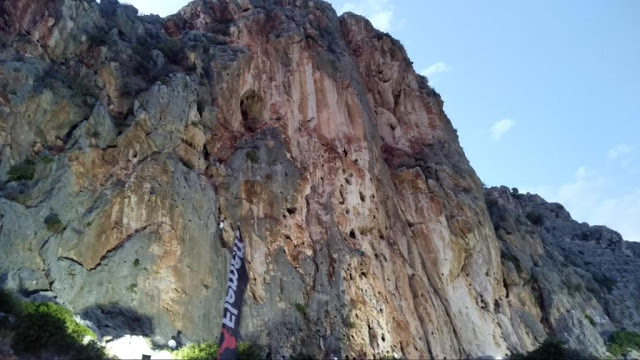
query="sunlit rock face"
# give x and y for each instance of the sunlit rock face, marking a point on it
(366, 228)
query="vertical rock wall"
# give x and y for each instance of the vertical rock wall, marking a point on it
(366, 228)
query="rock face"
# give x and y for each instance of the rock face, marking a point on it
(564, 278)
(125, 139)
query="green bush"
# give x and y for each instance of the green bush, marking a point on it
(573, 288)
(142, 51)
(590, 319)
(303, 356)
(48, 328)
(209, 350)
(514, 260)
(535, 217)
(622, 342)
(252, 156)
(203, 350)
(173, 50)
(552, 349)
(301, 309)
(132, 288)
(247, 351)
(491, 203)
(10, 304)
(23, 171)
(606, 282)
(187, 163)
(46, 159)
(53, 223)
(98, 38)
(39, 331)
(49, 309)
(81, 87)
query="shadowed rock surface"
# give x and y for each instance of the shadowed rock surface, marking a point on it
(574, 281)
(125, 139)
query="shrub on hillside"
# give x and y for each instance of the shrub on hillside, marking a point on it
(53, 223)
(209, 350)
(252, 156)
(23, 171)
(512, 259)
(301, 309)
(10, 304)
(622, 342)
(173, 50)
(590, 319)
(535, 218)
(303, 356)
(247, 351)
(573, 288)
(48, 328)
(491, 203)
(98, 37)
(606, 282)
(552, 349)
(203, 350)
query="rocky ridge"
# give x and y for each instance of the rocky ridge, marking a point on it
(567, 279)
(125, 139)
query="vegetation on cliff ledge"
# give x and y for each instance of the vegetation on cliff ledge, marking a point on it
(622, 342)
(24, 171)
(552, 349)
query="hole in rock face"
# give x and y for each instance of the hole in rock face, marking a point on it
(291, 210)
(352, 234)
(251, 108)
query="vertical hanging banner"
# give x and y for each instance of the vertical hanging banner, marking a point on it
(236, 285)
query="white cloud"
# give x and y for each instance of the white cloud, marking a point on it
(379, 12)
(620, 150)
(382, 20)
(587, 198)
(499, 128)
(438, 67)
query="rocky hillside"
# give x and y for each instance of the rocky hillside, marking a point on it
(563, 278)
(126, 139)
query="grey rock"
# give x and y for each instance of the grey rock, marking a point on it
(43, 296)
(364, 222)
(99, 130)
(585, 279)
(158, 58)
(30, 280)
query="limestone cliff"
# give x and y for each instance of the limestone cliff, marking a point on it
(563, 278)
(126, 139)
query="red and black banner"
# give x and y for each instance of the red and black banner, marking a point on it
(236, 285)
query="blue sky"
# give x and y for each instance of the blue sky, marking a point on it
(544, 93)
